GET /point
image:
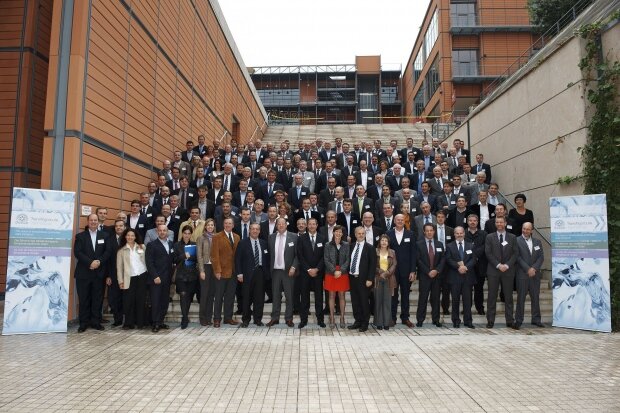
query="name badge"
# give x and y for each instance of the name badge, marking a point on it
(100, 241)
(464, 220)
(177, 217)
(509, 226)
(320, 244)
(472, 180)
(149, 215)
(536, 247)
(414, 209)
(377, 238)
(249, 188)
(233, 213)
(505, 243)
(448, 237)
(453, 202)
(370, 178)
(493, 214)
(366, 206)
(354, 221)
(461, 194)
(266, 251)
(221, 196)
(184, 169)
(468, 252)
(190, 195)
(322, 215)
(438, 249)
(139, 251)
(407, 240)
(140, 225)
(291, 244)
(303, 193)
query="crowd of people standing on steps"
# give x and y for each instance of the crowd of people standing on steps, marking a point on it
(250, 224)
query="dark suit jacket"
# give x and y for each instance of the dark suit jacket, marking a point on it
(469, 260)
(292, 196)
(181, 214)
(263, 193)
(234, 182)
(487, 170)
(405, 252)
(286, 181)
(354, 222)
(326, 156)
(158, 262)
(309, 258)
(436, 189)
(367, 261)
(290, 251)
(495, 251)
(370, 179)
(85, 254)
(423, 263)
(475, 209)
(449, 234)
(191, 197)
(452, 219)
(478, 240)
(442, 203)
(379, 206)
(367, 206)
(142, 225)
(321, 181)
(344, 170)
(244, 258)
(301, 214)
(264, 230)
(527, 260)
(325, 198)
(394, 186)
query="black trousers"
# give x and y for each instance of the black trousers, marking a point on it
(297, 300)
(239, 296)
(481, 276)
(186, 291)
(428, 286)
(360, 301)
(115, 300)
(160, 298)
(309, 284)
(461, 287)
(402, 284)
(90, 297)
(445, 294)
(134, 300)
(253, 291)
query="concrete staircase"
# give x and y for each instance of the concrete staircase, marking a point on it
(350, 133)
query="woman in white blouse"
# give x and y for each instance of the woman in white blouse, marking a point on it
(131, 274)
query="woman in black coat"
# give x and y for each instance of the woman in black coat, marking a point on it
(186, 274)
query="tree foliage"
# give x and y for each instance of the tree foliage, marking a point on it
(544, 14)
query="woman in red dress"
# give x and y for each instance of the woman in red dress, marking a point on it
(336, 273)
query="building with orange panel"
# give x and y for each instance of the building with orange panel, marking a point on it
(462, 48)
(96, 94)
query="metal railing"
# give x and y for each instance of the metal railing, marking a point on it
(536, 46)
(492, 18)
(477, 69)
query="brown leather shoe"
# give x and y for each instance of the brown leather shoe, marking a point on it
(408, 323)
(216, 323)
(205, 323)
(392, 323)
(231, 322)
(272, 323)
(290, 323)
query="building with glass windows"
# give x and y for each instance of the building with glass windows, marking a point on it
(364, 92)
(462, 49)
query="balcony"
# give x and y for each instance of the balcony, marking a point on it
(476, 72)
(491, 20)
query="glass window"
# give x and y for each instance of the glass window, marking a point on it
(279, 97)
(419, 102)
(418, 65)
(465, 62)
(463, 14)
(432, 33)
(432, 79)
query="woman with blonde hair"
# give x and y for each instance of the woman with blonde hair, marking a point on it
(205, 270)
(385, 283)
(336, 257)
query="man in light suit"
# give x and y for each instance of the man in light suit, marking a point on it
(151, 234)
(160, 265)
(92, 251)
(283, 265)
(308, 177)
(501, 250)
(461, 262)
(361, 276)
(529, 263)
(251, 266)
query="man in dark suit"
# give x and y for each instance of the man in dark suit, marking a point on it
(375, 191)
(286, 176)
(306, 212)
(478, 237)
(480, 166)
(363, 176)
(394, 181)
(92, 251)
(284, 264)
(501, 251)
(347, 218)
(402, 241)
(447, 200)
(230, 181)
(436, 182)
(268, 191)
(483, 210)
(529, 263)
(251, 266)
(160, 265)
(361, 277)
(361, 203)
(426, 196)
(297, 192)
(461, 262)
(457, 217)
(348, 168)
(136, 220)
(322, 181)
(187, 195)
(311, 272)
(115, 294)
(430, 265)
(328, 194)
(386, 199)
(201, 148)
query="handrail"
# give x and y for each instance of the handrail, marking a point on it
(536, 45)
(223, 136)
(513, 206)
(258, 128)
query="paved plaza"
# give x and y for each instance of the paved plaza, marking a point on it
(281, 369)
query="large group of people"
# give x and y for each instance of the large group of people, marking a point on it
(252, 224)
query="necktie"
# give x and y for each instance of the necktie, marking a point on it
(245, 231)
(431, 254)
(143, 210)
(194, 224)
(440, 235)
(226, 182)
(183, 199)
(428, 220)
(298, 192)
(355, 256)
(176, 184)
(360, 204)
(388, 223)
(420, 180)
(307, 216)
(312, 240)
(461, 252)
(101, 228)
(438, 182)
(256, 254)
(501, 248)
(230, 238)
(270, 190)
(339, 208)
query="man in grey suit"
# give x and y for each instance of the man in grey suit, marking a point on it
(283, 264)
(529, 262)
(478, 187)
(425, 218)
(501, 250)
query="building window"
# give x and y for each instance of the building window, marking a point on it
(419, 102)
(418, 65)
(432, 33)
(465, 62)
(279, 97)
(463, 14)
(432, 79)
